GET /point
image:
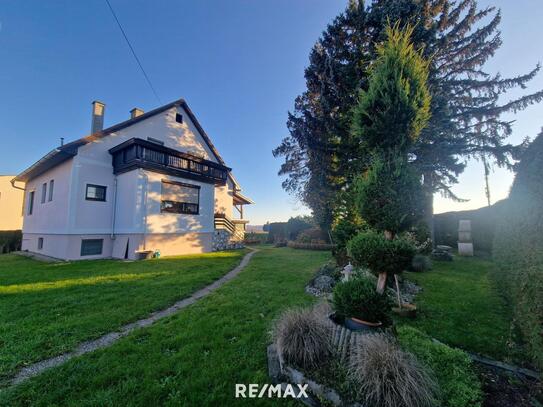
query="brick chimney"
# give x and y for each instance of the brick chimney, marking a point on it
(98, 109)
(135, 112)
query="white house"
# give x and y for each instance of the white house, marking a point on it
(152, 183)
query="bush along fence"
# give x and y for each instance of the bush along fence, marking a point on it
(518, 250)
(311, 246)
(10, 240)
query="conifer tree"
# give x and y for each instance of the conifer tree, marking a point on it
(321, 156)
(387, 121)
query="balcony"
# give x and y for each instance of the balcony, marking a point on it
(139, 153)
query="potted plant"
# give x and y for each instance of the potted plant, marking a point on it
(360, 306)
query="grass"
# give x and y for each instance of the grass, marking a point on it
(48, 308)
(192, 358)
(461, 307)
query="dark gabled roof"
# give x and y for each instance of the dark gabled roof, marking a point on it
(69, 150)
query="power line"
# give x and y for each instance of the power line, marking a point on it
(133, 52)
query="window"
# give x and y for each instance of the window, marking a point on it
(91, 247)
(95, 193)
(179, 118)
(51, 187)
(31, 202)
(180, 198)
(43, 192)
(40, 243)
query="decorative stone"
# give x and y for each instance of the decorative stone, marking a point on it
(441, 255)
(444, 248)
(324, 283)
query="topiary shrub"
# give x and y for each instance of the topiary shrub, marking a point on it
(421, 263)
(389, 195)
(302, 338)
(374, 251)
(357, 298)
(387, 376)
(343, 231)
(452, 368)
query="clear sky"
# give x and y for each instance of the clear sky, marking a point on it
(239, 64)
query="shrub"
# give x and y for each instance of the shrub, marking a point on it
(451, 368)
(518, 250)
(312, 235)
(374, 251)
(357, 298)
(255, 238)
(302, 338)
(10, 240)
(343, 231)
(389, 195)
(387, 376)
(421, 263)
(310, 246)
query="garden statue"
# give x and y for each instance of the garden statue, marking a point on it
(347, 272)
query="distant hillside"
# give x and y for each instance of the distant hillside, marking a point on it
(255, 228)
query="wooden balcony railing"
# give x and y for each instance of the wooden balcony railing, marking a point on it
(139, 153)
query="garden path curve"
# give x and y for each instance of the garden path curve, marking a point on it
(110, 338)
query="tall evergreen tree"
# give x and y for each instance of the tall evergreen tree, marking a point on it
(387, 121)
(321, 156)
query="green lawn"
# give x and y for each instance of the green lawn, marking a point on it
(460, 306)
(48, 308)
(192, 358)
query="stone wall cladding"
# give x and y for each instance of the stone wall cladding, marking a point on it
(222, 240)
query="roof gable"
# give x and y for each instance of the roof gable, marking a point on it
(69, 150)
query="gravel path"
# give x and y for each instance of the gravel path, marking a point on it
(108, 339)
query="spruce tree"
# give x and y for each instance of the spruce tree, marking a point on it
(321, 156)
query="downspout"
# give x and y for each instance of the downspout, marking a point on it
(145, 186)
(114, 208)
(24, 196)
(15, 186)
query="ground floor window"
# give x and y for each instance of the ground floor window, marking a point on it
(95, 192)
(91, 247)
(178, 197)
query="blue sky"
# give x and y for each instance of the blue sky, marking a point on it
(239, 64)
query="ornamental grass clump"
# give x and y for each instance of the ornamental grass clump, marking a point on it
(387, 376)
(302, 337)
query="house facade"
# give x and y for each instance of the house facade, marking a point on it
(11, 202)
(152, 183)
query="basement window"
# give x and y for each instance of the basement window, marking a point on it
(91, 247)
(178, 197)
(95, 193)
(40, 243)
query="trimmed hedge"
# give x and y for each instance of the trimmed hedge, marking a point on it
(452, 368)
(372, 250)
(310, 246)
(518, 250)
(10, 240)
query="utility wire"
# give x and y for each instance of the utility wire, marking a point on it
(133, 52)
